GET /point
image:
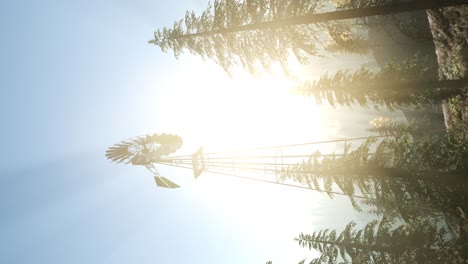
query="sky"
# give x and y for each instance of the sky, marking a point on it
(79, 76)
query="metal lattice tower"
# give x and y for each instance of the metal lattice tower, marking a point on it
(265, 164)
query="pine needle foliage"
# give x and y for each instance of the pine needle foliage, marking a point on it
(420, 241)
(255, 34)
(398, 174)
(395, 85)
(407, 24)
(250, 49)
(415, 128)
(347, 38)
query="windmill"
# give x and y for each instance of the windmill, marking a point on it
(388, 189)
(146, 151)
(264, 164)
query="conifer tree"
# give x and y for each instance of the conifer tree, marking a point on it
(399, 175)
(407, 83)
(420, 241)
(258, 33)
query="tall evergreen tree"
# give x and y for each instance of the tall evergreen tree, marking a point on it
(257, 33)
(398, 175)
(210, 35)
(407, 83)
(420, 241)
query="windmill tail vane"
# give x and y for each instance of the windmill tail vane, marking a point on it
(266, 164)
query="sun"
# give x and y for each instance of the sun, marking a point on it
(207, 108)
(220, 113)
(223, 113)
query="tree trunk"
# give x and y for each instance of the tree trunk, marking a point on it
(448, 27)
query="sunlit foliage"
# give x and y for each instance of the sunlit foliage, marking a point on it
(406, 83)
(255, 34)
(420, 241)
(208, 35)
(398, 176)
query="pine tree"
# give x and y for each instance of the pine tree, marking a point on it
(258, 33)
(420, 241)
(395, 85)
(399, 175)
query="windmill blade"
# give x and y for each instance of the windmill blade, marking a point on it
(119, 153)
(165, 183)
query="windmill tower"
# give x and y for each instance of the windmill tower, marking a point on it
(273, 164)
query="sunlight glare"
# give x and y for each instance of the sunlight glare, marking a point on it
(223, 113)
(207, 108)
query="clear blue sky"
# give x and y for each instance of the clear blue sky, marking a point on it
(78, 76)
